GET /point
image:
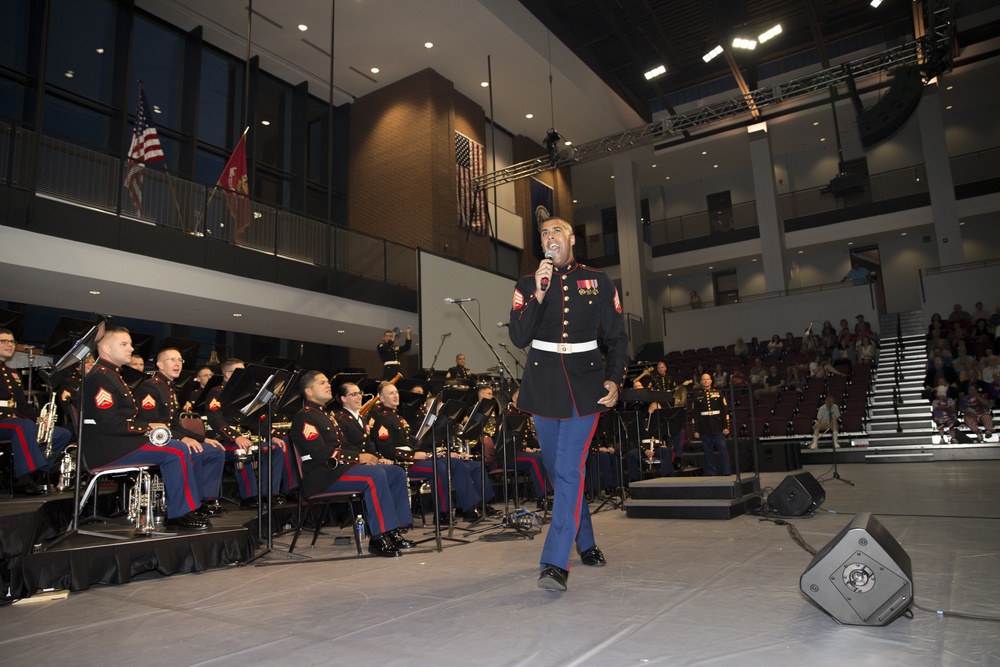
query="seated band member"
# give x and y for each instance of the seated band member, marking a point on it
(330, 464)
(113, 435)
(529, 457)
(18, 424)
(137, 362)
(458, 371)
(389, 431)
(201, 376)
(157, 401)
(284, 473)
(389, 353)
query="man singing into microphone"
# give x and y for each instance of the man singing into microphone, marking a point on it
(557, 312)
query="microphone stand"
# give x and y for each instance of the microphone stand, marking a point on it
(517, 363)
(438, 353)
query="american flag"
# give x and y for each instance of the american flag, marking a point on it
(145, 149)
(470, 161)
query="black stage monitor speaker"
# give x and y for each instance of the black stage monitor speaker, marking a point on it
(862, 577)
(796, 495)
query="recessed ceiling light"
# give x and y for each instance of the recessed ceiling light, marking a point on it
(850, 243)
(265, 122)
(669, 275)
(612, 175)
(574, 201)
(303, 27)
(529, 116)
(948, 107)
(875, 3)
(704, 152)
(801, 251)
(666, 178)
(654, 166)
(822, 138)
(69, 74)
(341, 331)
(754, 259)
(237, 314)
(815, 123)
(567, 143)
(428, 45)
(961, 223)
(95, 292)
(156, 109)
(715, 166)
(101, 50)
(374, 70)
(485, 84)
(711, 267)
(949, 87)
(903, 234)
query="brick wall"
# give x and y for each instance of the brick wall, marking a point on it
(562, 197)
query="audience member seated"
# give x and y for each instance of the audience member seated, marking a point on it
(741, 351)
(959, 315)
(939, 371)
(995, 320)
(977, 411)
(969, 380)
(775, 347)
(961, 360)
(979, 313)
(989, 365)
(844, 354)
(936, 324)
(938, 346)
(821, 367)
(720, 378)
(758, 371)
(789, 342)
(794, 381)
(866, 351)
(943, 413)
(826, 420)
(773, 382)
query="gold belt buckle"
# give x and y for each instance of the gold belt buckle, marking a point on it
(564, 348)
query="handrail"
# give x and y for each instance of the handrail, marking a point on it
(896, 372)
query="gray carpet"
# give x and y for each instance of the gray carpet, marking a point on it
(673, 593)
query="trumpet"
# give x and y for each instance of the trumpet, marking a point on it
(146, 499)
(46, 424)
(67, 466)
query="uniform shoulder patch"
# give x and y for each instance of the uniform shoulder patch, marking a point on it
(214, 404)
(618, 302)
(149, 402)
(383, 433)
(103, 399)
(309, 431)
(518, 301)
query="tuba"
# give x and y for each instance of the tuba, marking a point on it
(46, 423)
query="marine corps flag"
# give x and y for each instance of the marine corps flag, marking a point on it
(234, 181)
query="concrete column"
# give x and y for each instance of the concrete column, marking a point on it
(772, 229)
(633, 253)
(947, 232)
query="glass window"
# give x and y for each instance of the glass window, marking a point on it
(272, 189)
(82, 47)
(158, 61)
(76, 124)
(14, 35)
(220, 101)
(11, 100)
(317, 141)
(271, 124)
(209, 167)
(317, 202)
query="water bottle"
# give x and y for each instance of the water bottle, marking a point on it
(359, 528)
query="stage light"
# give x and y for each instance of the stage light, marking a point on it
(876, 3)
(711, 54)
(551, 144)
(768, 34)
(655, 72)
(748, 44)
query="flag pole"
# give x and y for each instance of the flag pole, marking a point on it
(173, 195)
(211, 195)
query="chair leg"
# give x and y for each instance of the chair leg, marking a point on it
(357, 535)
(320, 519)
(298, 528)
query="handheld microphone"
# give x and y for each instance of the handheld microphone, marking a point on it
(809, 329)
(450, 300)
(545, 281)
(502, 324)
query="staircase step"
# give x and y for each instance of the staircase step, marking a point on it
(689, 509)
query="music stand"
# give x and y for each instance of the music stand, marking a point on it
(271, 388)
(73, 355)
(473, 429)
(440, 416)
(131, 377)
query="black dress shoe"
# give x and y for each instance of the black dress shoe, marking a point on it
(399, 541)
(383, 546)
(248, 503)
(593, 557)
(190, 521)
(211, 508)
(444, 518)
(277, 499)
(26, 486)
(493, 512)
(473, 515)
(553, 578)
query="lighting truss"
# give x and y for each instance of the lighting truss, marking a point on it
(931, 50)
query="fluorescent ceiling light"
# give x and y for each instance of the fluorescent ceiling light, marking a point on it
(655, 72)
(764, 36)
(711, 54)
(876, 3)
(748, 44)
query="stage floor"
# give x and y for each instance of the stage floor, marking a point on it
(674, 592)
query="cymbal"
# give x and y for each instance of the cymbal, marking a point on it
(492, 369)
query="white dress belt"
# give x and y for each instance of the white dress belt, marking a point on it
(711, 412)
(391, 363)
(564, 348)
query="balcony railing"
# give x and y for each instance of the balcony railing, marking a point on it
(69, 173)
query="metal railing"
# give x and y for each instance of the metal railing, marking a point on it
(80, 176)
(703, 223)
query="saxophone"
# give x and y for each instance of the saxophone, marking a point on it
(46, 423)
